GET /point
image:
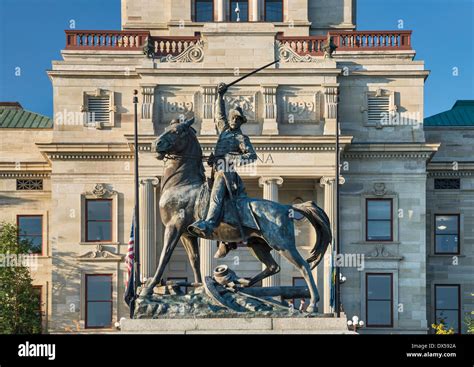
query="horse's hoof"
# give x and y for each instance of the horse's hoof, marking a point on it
(146, 291)
(311, 309)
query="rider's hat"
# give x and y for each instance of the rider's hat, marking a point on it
(237, 111)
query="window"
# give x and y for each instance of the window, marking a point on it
(274, 10)
(38, 290)
(99, 109)
(379, 300)
(98, 301)
(203, 10)
(30, 228)
(298, 282)
(378, 109)
(379, 220)
(98, 220)
(29, 185)
(447, 310)
(243, 14)
(447, 234)
(447, 183)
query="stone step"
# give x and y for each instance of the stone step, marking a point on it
(309, 325)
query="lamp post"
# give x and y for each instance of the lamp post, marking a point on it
(355, 323)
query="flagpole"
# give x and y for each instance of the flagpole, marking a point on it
(337, 249)
(136, 263)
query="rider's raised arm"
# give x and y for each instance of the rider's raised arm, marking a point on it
(220, 117)
(248, 152)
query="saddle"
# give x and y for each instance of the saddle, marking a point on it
(243, 204)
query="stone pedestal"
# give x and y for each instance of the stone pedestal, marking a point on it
(313, 325)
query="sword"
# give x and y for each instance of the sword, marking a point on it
(251, 73)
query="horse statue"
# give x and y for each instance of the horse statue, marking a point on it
(267, 225)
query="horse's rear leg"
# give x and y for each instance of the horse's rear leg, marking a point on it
(297, 260)
(262, 252)
(171, 238)
(191, 245)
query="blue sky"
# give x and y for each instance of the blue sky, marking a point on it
(32, 35)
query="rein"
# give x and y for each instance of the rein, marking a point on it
(176, 157)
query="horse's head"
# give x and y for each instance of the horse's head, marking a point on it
(176, 138)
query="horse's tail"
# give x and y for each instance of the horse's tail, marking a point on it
(320, 221)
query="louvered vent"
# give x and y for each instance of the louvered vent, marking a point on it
(379, 107)
(98, 108)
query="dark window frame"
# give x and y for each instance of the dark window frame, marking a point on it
(27, 184)
(282, 12)
(232, 10)
(458, 286)
(381, 220)
(111, 301)
(96, 220)
(40, 309)
(35, 235)
(195, 2)
(367, 300)
(458, 234)
(438, 186)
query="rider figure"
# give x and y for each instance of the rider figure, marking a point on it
(231, 143)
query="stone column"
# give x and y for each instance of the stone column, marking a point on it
(220, 10)
(146, 123)
(207, 248)
(328, 183)
(208, 105)
(270, 125)
(148, 254)
(254, 15)
(270, 192)
(331, 100)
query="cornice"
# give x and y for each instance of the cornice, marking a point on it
(25, 170)
(264, 143)
(391, 151)
(86, 151)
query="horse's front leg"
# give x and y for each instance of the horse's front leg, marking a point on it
(171, 238)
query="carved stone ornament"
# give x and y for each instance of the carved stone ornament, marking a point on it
(99, 254)
(379, 189)
(286, 54)
(194, 53)
(100, 191)
(380, 252)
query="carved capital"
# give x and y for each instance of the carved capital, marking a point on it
(327, 181)
(269, 180)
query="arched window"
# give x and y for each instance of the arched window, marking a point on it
(274, 10)
(203, 10)
(243, 14)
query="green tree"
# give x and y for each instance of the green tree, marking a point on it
(469, 320)
(19, 312)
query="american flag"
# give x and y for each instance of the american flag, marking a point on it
(130, 252)
(129, 295)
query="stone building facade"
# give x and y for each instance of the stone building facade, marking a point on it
(371, 85)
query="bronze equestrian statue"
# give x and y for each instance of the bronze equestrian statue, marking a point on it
(231, 143)
(189, 208)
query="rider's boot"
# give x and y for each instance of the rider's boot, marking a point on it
(205, 228)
